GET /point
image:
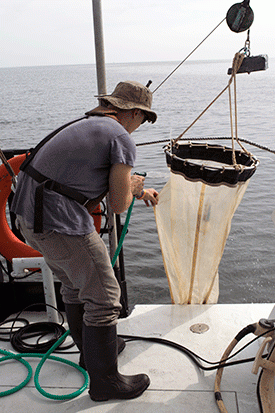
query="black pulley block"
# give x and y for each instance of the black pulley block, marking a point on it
(240, 17)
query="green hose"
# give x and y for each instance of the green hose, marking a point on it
(9, 356)
(70, 363)
(123, 232)
(20, 357)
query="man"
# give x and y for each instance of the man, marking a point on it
(56, 192)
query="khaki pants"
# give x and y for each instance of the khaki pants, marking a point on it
(82, 264)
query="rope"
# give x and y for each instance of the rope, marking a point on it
(237, 61)
(236, 64)
(218, 379)
(210, 138)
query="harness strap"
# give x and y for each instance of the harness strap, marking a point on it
(61, 189)
(38, 208)
(45, 182)
(56, 186)
(31, 152)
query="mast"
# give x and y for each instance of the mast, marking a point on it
(114, 224)
(99, 48)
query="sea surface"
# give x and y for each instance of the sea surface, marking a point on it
(36, 100)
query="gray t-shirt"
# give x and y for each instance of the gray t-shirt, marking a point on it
(80, 156)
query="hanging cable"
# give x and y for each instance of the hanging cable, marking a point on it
(237, 61)
(176, 68)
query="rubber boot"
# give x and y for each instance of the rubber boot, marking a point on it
(74, 313)
(100, 354)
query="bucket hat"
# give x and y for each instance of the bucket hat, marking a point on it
(132, 95)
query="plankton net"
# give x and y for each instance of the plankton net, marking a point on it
(194, 216)
(195, 209)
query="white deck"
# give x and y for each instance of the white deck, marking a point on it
(177, 385)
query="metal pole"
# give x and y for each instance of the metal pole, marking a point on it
(102, 90)
(19, 264)
(101, 85)
(99, 48)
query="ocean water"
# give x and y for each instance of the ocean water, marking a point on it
(36, 100)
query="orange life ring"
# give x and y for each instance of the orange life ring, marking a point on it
(10, 246)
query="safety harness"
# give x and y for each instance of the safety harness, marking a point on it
(51, 184)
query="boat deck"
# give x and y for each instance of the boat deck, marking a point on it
(177, 385)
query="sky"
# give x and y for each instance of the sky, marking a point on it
(60, 32)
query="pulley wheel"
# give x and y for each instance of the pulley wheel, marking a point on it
(240, 17)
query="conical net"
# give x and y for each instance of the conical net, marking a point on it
(194, 216)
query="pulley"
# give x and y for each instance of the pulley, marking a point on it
(240, 17)
(250, 63)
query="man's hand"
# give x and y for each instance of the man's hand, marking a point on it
(147, 195)
(150, 195)
(137, 184)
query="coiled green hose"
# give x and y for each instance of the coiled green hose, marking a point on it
(20, 357)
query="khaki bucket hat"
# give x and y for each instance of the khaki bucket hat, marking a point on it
(132, 95)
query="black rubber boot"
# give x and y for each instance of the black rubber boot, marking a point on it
(100, 354)
(74, 313)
